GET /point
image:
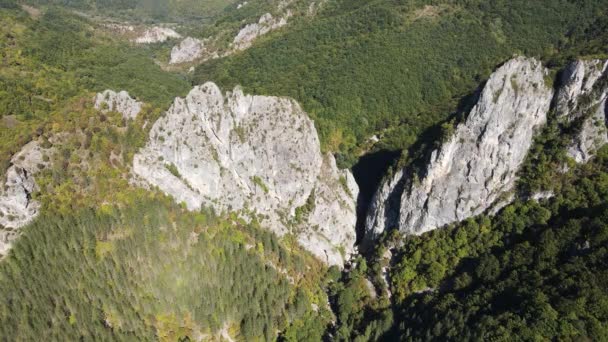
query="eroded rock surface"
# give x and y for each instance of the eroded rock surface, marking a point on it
(256, 155)
(331, 222)
(187, 50)
(582, 96)
(477, 165)
(121, 102)
(251, 32)
(156, 35)
(17, 208)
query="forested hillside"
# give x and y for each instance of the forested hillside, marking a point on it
(535, 270)
(398, 67)
(58, 57)
(109, 261)
(148, 271)
(112, 257)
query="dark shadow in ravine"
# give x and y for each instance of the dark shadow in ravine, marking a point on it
(368, 173)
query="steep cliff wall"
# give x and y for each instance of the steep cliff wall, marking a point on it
(477, 165)
(582, 96)
(257, 155)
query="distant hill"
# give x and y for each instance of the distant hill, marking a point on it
(145, 10)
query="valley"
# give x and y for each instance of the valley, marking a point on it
(300, 170)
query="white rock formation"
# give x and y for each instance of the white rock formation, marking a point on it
(212, 47)
(156, 35)
(577, 80)
(477, 165)
(244, 39)
(331, 222)
(582, 95)
(187, 50)
(542, 195)
(121, 102)
(16, 205)
(592, 136)
(256, 155)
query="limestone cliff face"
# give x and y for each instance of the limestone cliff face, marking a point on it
(582, 96)
(188, 50)
(470, 172)
(248, 34)
(257, 155)
(121, 102)
(331, 222)
(17, 208)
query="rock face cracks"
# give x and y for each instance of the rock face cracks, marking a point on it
(475, 169)
(477, 165)
(256, 155)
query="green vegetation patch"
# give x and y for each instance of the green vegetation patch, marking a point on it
(174, 274)
(365, 67)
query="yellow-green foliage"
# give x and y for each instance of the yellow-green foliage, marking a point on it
(168, 277)
(50, 65)
(259, 182)
(102, 248)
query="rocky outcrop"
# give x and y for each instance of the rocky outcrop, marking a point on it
(212, 47)
(582, 97)
(156, 35)
(17, 208)
(331, 222)
(251, 32)
(188, 50)
(255, 155)
(477, 165)
(121, 102)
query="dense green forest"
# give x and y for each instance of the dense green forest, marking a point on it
(109, 261)
(151, 270)
(398, 67)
